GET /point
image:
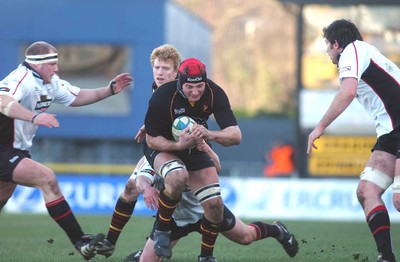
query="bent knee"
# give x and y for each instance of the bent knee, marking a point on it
(368, 190)
(130, 192)
(177, 179)
(214, 205)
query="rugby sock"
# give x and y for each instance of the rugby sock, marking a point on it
(264, 230)
(60, 211)
(209, 232)
(166, 206)
(379, 224)
(122, 213)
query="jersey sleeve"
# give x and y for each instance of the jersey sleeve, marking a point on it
(157, 120)
(222, 109)
(65, 93)
(14, 84)
(353, 61)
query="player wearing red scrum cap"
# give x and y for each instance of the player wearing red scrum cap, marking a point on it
(196, 96)
(187, 216)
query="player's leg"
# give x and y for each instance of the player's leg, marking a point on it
(235, 230)
(177, 232)
(34, 174)
(124, 208)
(6, 191)
(148, 254)
(374, 180)
(122, 213)
(175, 175)
(205, 184)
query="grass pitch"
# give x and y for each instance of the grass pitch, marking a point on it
(38, 238)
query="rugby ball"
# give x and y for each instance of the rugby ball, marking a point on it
(180, 124)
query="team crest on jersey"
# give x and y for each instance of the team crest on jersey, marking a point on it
(344, 69)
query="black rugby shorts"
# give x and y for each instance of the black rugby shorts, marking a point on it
(9, 159)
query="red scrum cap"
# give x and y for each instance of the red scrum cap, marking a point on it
(192, 70)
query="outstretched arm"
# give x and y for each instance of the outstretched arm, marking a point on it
(342, 100)
(90, 96)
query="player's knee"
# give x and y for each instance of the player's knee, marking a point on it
(372, 184)
(360, 194)
(48, 183)
(245, 240)
(130, 192)
(177, 180)
(210, 197)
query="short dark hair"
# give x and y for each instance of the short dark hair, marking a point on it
(343, 31)
(40, 48)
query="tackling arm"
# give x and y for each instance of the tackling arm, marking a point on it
(11, 108)
(162, 144)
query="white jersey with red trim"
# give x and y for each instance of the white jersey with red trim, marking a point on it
(26, 87)
(378, 83)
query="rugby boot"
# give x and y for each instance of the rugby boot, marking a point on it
(134, 257)
(106, 248)
(86, 246)
(287, 240)
(162, 248)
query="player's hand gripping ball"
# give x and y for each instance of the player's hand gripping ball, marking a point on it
(180, 124)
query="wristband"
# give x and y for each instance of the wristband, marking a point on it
(111, 86)
(33, 117)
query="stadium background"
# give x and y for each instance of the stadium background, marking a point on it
(93, 150)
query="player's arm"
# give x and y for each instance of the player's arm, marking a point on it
(13, 109)
(203, 146)
(150, 194)
(228, 136)
(90, 96)
(346, 94)
(144, 180)
(141, 134)
(162, 144)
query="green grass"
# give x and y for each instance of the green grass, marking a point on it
(38, 238)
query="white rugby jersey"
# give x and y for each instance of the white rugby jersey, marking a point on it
(378, 83)
(188, 210)
(26, 87)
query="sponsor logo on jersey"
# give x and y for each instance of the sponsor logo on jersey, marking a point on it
(43, 105)
(179, 111)
(344, 69)
(4, 89)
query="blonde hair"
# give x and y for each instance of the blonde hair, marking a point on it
(165, 52)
